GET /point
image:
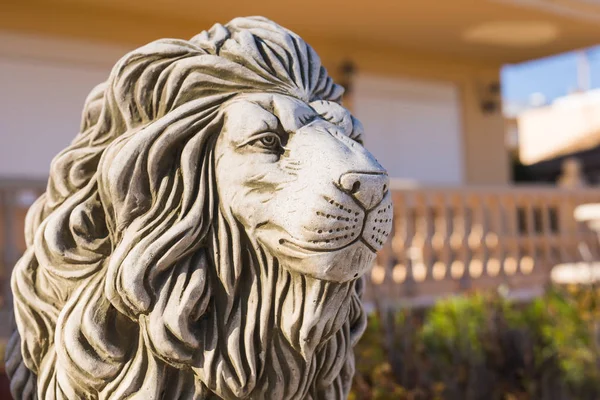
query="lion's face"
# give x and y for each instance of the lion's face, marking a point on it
(297, 181)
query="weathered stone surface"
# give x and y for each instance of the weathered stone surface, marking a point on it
(206, 233)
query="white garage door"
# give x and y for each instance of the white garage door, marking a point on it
(43, 86)
(412, 127)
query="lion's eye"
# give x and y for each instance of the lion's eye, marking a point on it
(270, 142)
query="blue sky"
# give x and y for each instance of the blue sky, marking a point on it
(553, 77)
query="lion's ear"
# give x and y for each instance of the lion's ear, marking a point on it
(212, 39)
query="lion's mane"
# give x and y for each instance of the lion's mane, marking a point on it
(135, 283)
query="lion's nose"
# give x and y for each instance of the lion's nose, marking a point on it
(367, 188)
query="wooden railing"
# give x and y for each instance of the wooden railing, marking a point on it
(445, 239)
(453, 239)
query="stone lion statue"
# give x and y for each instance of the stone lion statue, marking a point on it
(205, 234)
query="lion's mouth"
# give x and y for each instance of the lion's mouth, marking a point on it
(373, 230)
(305, 247)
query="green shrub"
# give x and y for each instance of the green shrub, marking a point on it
(482, 346)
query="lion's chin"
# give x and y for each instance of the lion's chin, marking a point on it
(341, 265)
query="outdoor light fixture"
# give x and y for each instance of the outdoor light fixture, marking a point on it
(489, 97)
(347, 71)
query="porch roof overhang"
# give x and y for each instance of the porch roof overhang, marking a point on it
(461, 29)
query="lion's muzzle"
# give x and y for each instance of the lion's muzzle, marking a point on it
(371, 191)
(378, 224)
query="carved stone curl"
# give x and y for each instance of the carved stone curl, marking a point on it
(206, 233)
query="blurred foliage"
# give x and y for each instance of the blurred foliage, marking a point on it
(483, 346)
